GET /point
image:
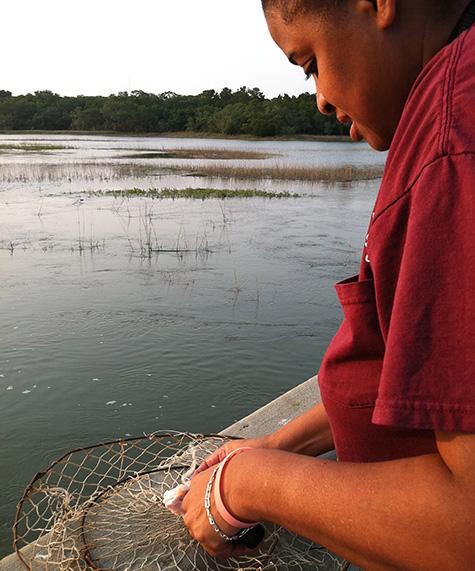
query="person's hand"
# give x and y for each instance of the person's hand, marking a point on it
(196, 520)
(220, 454)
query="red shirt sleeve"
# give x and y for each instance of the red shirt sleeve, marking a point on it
(428, 373)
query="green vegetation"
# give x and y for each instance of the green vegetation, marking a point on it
(31, 148)
(242, 112)
(194, 193)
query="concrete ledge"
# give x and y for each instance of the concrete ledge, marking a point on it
(261, 422)
(278, 412)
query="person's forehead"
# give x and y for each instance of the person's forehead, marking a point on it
(293, 37)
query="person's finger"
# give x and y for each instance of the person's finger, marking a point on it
(181, 492)
(201, 468)
(224, 551)
(214, 546)
(232, 549)
(239, 550)
(184, 504)
(208, 462)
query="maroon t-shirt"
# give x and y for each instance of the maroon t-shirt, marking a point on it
(403, 361)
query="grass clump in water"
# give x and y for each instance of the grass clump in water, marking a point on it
(101, 170)
(200, 153)
(31, 148)
(283, 172)
(70, 171)
(194, 193)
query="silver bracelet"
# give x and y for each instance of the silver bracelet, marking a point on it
(211, 519)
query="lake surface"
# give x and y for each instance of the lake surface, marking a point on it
(101, 340)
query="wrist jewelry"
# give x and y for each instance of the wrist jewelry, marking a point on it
(211, 519)
(220, 507)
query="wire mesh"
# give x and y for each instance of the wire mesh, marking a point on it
(102, 508)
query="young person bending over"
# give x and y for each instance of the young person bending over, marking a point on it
(398, 380)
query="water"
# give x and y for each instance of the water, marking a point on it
(100, 341)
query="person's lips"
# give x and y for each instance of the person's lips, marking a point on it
(355, 134)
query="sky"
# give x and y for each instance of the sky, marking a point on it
(99, 47)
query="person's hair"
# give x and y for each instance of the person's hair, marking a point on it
(289, 9)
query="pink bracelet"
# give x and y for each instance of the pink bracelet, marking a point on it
(222, 510)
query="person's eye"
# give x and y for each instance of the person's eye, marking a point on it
(311, 70)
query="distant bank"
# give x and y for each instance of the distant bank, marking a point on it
(180, 135)
(243, 112)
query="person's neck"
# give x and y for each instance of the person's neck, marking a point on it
(439, 30)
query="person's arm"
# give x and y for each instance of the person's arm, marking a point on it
(308, 434)
(411, 514)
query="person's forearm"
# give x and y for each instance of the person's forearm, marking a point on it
(407, 514)
(308, 434)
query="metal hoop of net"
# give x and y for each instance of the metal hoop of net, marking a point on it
(102, 508)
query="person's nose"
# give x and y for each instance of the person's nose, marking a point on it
(323, 105)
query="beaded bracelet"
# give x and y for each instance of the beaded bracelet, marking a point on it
(211, 519)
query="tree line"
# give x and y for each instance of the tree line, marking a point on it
(242, 112)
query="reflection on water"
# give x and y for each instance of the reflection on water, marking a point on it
(102, 339)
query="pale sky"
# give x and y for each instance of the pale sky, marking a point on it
(99, 47)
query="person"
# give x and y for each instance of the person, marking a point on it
(398, 379)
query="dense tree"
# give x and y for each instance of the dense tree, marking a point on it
(242, 112)
(88, 118)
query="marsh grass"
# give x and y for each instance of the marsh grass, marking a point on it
(8, 245)
(31, 148)
(193, 193)
(282, 172)
(71, 171)
(13, 246)
(200, 154)
(149, 243)
(106, 171)
(86, 243)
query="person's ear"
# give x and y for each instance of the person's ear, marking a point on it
(384, 11)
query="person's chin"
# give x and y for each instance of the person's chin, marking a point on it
(380, 146)
(378, 143)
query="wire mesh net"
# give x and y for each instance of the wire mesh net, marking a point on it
(102, 508)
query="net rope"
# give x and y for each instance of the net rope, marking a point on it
(102, 508)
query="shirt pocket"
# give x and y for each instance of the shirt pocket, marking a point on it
(351, 368)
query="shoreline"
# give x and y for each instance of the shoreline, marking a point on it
(189, 135)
